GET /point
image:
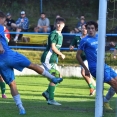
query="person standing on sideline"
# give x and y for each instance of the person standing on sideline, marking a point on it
(10, 60)
(50, 56)
(75, 43)
(89, 45)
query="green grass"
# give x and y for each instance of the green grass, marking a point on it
(73, 93)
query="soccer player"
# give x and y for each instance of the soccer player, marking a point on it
(3, 87)
(89, 45)
(10, 60)
(50, 56)
(75, 42)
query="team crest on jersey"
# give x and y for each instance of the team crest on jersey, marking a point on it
(94, 43)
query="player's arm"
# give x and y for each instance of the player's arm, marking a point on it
(53, 46)
(39, 24)
(47, 24)
(72, 45)
(78, 57)
(18, 21)
(74, 42)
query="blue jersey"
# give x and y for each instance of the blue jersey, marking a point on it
(10, 60)
(89, 46)
(3, 42)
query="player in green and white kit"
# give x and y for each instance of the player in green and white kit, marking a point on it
(75, 43)
(3, 87)
(50, 56)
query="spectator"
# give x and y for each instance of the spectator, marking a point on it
(79, 24)
(22, 24)
(9, 21)
(77, 29)
(43, 24)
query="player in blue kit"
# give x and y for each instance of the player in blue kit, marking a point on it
(10, 60)
(75, 42)
(89, 45)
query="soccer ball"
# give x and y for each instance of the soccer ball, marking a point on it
(54, 72)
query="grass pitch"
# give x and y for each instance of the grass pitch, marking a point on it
(72, 93)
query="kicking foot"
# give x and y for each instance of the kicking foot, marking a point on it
(22, 111)
(56, 80)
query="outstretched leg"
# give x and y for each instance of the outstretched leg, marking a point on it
(43, 72)
(113, 83)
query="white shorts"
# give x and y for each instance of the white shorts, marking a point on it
(86, 64)
(49, 66)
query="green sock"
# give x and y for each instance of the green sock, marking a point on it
(47, 89)
(2, 84)
(91, 85)
(51, 90)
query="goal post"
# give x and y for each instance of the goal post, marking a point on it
(100, 58)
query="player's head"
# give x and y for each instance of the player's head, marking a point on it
(82, 17)
(8, 16)
(23, 14)
(59, 23)
(60, 19)
(83, 29)
(2, 18)
(91, 27)
(43, 15)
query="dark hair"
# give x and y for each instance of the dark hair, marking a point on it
(60, 19)
(43, 13)
(92, 23)
(2, 15)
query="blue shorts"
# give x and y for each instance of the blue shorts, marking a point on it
(13, 60)
(109, 73)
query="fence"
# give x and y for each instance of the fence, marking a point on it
(67, 37)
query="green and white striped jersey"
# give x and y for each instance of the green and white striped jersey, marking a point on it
(49, 56)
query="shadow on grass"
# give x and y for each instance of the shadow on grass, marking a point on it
(39, 108)
(73, 97)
